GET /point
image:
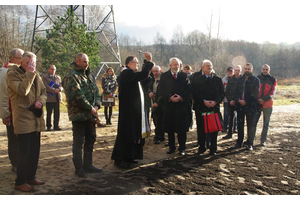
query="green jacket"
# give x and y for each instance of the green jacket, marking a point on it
(81, 92)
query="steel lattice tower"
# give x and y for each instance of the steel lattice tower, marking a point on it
(103, 25)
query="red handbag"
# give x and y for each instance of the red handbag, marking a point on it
(211, 122)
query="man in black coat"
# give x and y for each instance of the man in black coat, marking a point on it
(174, 90)
(229, 95)
(245, 97)
(208, 93)
(130, 137)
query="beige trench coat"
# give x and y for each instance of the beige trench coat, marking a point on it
(25, 88)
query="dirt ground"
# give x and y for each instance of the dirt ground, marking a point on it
(273, 169)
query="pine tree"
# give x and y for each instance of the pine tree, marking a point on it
(68, 38)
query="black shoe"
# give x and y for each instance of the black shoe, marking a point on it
(201, 151)
(48, 129)
(250, 148)
(196, 145)
(170, 151)
(57, 129)
(246, 144)
(156, 141)
(213, 152)
(132, 161)
(182, 152)
(122, 164)
(235, 131)
(237, 146)
(80, 173)
(167, 144)
(227, 136)
(92, 169)
(263, 144)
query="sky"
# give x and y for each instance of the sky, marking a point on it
(253, 21)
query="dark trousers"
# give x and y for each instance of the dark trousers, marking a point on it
(251, 126)
(181, 140)
(203, 138)
(226, 116)
(158, 123)
(232, 119)
(190, 112)
(49, 107)
(84, 133)
(108, 115)
(12, 144)
(28, 156)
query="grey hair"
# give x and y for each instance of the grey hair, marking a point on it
(239, 66)
(29, 55)
(174, 58)
(266, 65)
(14, 52)
(206, 61)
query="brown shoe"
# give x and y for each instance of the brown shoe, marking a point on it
(35, 182)
(100, 125)
(24, 187)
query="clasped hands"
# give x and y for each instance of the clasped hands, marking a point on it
(175, 98)
(210, 103)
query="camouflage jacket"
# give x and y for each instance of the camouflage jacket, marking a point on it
(81, 92)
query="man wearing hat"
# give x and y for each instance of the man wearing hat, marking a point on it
(225, 102)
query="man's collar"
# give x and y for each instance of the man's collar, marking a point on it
(22, 68)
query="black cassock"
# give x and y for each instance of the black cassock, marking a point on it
(129, 142)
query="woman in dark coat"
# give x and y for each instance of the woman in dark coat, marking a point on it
(109, 86)
(129, 142)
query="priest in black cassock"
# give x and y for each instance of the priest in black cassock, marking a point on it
(132, 126)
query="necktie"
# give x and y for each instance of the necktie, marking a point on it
(174, 76)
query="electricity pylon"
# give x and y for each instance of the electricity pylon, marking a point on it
(102, 22)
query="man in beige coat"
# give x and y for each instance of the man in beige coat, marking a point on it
(5, 107)
(28, 95)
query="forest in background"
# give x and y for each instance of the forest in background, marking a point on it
(16, 30)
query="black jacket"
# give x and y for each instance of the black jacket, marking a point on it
(175, 116)
(250, 88)
(229, 94)
(207, 89)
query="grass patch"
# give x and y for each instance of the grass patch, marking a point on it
(278, 102)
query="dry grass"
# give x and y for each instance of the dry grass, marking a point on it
(289, 81)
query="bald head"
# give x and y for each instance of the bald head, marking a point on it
(265, 69)
(82, 60)
(156, 71)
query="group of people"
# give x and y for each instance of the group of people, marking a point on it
(175, 93)
(170, 96)
(25, 93)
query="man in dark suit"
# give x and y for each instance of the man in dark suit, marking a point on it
(174, 90)
(208, 93)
